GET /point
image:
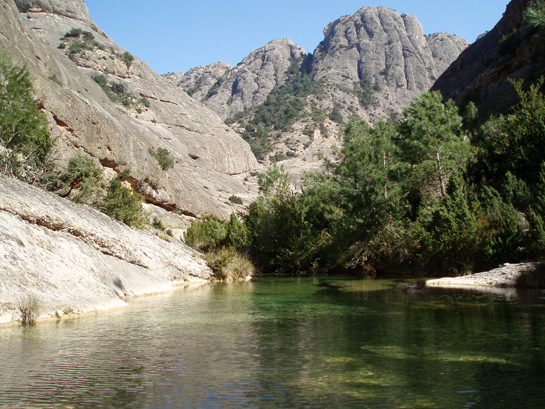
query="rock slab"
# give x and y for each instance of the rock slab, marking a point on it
(73, 258)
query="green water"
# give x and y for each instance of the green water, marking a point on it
(293, 343)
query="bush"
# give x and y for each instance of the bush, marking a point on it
(75, 32)
(236, 234)
(127, 58)
(24, 130)
(235, 199)
(205, 232)
(123, 204)
(163, 157)
(83, 176)
(30, 309)
(228, 265)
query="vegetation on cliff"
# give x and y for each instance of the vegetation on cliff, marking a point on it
(24, 132)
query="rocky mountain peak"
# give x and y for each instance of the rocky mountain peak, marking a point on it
(380, 47)
(228, 91)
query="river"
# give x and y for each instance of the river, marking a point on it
(286, 343)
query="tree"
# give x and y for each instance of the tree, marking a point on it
(431, 140)
(124, 204)
(24, 132)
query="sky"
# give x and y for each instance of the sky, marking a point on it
(177, 35)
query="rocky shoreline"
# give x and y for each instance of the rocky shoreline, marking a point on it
(75, 260)
(505, 276)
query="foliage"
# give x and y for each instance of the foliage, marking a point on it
(399, 196)
(229, 265)
(431, 141)
(366, 92)
(283, 107)
(516, 143)
(205, 232)
(55, 79)
(163, 157)
(118, 93)
(235, 199)
(123, 203)
(336, 115)
(24, 132)
(534, 16)
(81, 179)
(127, 58)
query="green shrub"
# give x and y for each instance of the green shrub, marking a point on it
(81, 180)
(24, 130)
(236, 234)
(163, 157)
(157, 224)
(75, 32)
(101, 80)
(205, 232)
(144, 101)
(124, 204)
(127, 58)
(235, 199)
(55, 79)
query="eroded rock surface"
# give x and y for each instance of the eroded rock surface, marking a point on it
(206, 152)
(76, 259)
(387, 50)
(482, 72)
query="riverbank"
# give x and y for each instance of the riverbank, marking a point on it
(506, 276)
(73, 260)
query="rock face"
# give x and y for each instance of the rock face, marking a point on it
(481, 73)
(370, 65)
(73, 258)
(210, 160)
(227, 90)
(387, 50)
(376, 45)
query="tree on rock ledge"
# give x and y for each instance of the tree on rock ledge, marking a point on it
(24, 133)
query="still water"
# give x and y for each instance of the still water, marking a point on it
(286, 343)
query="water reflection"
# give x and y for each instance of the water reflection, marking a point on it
(286, 343)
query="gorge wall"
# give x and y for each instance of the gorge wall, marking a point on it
(210, 160)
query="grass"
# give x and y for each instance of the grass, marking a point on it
(30, 309)
(228, 265)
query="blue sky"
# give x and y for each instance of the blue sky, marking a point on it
(178, 35)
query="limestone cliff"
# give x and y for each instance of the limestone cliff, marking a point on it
(74, 259)
(210, 160)
(379, 47)
(369, 66)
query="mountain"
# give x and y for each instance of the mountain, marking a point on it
(482, 72)
(228, 91)
(288, 103)
(127, 110)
